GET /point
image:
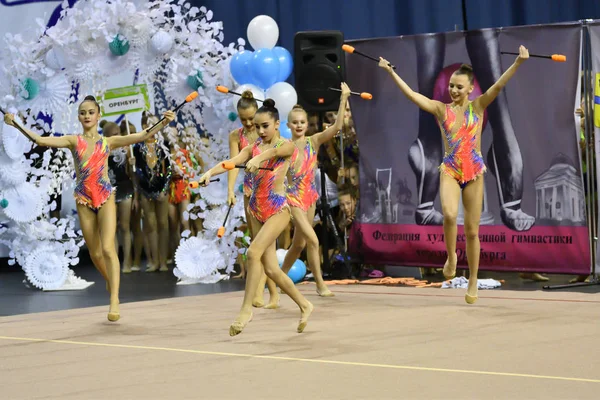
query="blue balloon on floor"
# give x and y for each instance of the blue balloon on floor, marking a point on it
(297, 272)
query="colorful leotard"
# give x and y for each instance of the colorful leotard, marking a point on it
(301, 191)
(243, 142)
(93, 186)
(152, 182)
(264, 201)
(180, 189)
(462, 161)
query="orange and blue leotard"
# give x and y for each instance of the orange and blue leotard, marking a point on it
(264, 200)
(463, 160)
(93, 184)
(301, 191)
(243, 142)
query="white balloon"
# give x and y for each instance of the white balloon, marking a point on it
(285, 97)
(281, 253)
(257, 92)
(55, 59)
(262, 32)
(161, 42)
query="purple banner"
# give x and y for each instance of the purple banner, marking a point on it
(534, 205)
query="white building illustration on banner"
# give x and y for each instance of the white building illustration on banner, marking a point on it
(559, 192)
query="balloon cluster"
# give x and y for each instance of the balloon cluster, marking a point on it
(265, 70)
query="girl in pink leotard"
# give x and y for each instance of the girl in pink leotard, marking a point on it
(268, 206)
(93, 192)
(301, 192)
(239, 139)
(461, 123)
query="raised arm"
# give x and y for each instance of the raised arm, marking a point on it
(328, 134)
(490, 95)
(285, 150)
(424, 103)
(232, 174)
(121, 141)
(218, 169)
(47, 141)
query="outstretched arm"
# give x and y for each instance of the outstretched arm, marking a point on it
(325, 136)
(285, 150)
(490, 95)
(120, 141)
(218, 169)
(47, 141)
(423, 102)
(233, 173)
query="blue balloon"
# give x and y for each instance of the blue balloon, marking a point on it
(297, 272)
(240, 67)
(265, 68)
(284, 130)
(286, 63)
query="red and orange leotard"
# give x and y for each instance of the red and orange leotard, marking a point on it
(463, 160)
(93, 184)
(243, 142)
(179, 186)
(301, 190)
(265, 201)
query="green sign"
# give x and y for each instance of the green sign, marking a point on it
(124, 100)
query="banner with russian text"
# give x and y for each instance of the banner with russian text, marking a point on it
(534, 215)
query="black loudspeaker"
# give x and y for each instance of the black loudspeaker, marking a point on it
(319, 64)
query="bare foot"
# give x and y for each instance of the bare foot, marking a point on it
(324, 291)
(534, 277)
(114, 312)
(258, 302)
(471, 295)
(517, 220)
(151, 268)
(240, 323)
(580, 278)
(273, 302)
(239, 276)
(449, 269)
(304, 316)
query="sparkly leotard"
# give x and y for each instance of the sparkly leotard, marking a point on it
(301, 191)
(462, 160)
(93, 185)
(264, 200)
(117, 172)
(243, 142)
(152, 182)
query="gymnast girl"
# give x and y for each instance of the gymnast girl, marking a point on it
(460, 123)
(268, 208)
(302, 194)
(238, 140)
(93, 192)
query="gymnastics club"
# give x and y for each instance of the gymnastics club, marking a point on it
(553, 57)
(221, 230)
(229, 165)
(363, 95)
(190, 97)
(226, 90)
(349, 49)
(196, 185)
